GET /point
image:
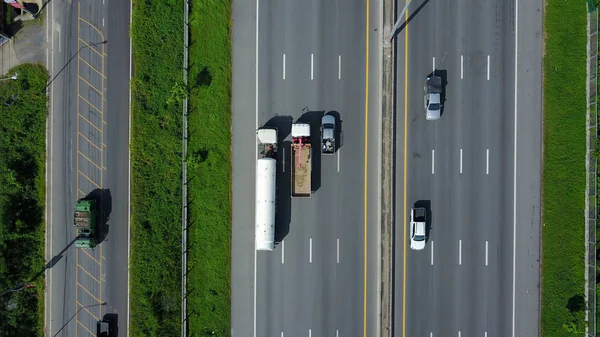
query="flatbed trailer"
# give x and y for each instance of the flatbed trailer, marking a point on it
(301, 161)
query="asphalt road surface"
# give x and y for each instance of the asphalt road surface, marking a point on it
(322, 279)
(476, 169)
(89, 66)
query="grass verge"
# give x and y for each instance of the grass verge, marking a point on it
(564, 169)
(23, 116)
(156, 168)
(209, 167)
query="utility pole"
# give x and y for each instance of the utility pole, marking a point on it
(388, 40)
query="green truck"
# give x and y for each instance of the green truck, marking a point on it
(85, 223)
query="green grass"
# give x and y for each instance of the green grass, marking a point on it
(563, 262)
(22, 200)
(209, 168)
(157, 36)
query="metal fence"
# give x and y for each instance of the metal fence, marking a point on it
(592, 170)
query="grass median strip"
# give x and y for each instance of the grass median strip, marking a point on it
(209, 167)
(564, 172)
(157, 34)
(23, 115)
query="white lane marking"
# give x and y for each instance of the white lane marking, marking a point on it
(515, 167)
(338, 160)
(256, 148)
(309, 333)
(283, 155)
(282, 334)
(458, 333)
(486, 334)
(282, 255)
(433, 65)
(486, 253)
(339, 67)
(311, 66)
(487, 161)
(102, 22)
(337, 333)
(488, 68)
(310, 251)
(459, 254)
(432, 161)
(460, 161)
(431, 334)
(284, 66)
(338, 250)
(461, 67)
(432, 253)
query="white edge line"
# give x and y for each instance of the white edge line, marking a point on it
(338, 251)
(461, 67)
(48, 255)
(486, 253)
(338, 160)
(487, 161)
(433, 64)
(339, 67)
(284, 66)
(461, 157)
(129, 174)
(432, 161)
(255, 147)
(311, 67)
(432, 252)
(488, 67)
(310, 250)
(459, 255)
(515, 166)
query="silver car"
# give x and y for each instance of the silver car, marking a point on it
(418, 222)
(432, 99)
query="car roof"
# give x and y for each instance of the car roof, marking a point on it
(419, 228)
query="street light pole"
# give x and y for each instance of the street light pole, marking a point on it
(388, 40)
(13, 77)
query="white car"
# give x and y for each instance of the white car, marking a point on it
(418, 221)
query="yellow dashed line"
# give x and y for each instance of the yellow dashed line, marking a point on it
(87, 272)
(89, 141)
(91, 85)
(85, 44)
(91, 161)
(87, 291)
(91, 67)
(92, 333)
(90, 256)
(90, 179)
(90, 123)
(89, 312)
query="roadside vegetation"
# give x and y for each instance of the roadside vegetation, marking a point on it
(563, 226)
(157, 37)
(23, 115)
(209, 168)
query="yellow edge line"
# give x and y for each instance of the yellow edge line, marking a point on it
(404, 173)
(77, 175)
(366, 169)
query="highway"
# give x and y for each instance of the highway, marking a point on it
(308, 58)
(88, 155)
(476, 169)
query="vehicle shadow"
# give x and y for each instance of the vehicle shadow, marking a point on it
(339, 133)
(313, 118)
(104, 201)
(443, 74)
(427, 205)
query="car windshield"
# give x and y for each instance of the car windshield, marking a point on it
(419, 237)
(434, 106)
